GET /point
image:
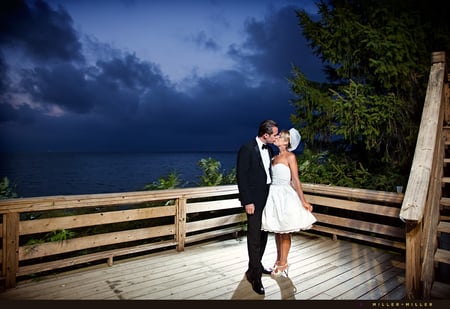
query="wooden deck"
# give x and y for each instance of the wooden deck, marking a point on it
(321, 269)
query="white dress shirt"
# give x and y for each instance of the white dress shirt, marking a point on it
(265, 157)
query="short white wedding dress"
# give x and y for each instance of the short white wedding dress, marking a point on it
(284, 211)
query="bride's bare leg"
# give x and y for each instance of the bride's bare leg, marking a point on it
(285, 247)
(281, 266)
(278, 244)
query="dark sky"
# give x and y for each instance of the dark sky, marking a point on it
(146, 75)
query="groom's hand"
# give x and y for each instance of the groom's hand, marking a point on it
(250, 209)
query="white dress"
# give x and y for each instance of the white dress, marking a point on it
(284, 211)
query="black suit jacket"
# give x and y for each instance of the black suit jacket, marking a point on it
(251, 175)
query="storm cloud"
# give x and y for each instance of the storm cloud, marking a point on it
(61, 90)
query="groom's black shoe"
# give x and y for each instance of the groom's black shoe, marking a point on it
(256, 284)
(267, 271)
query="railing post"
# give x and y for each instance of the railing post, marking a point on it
(10, 248)
(431, 217)
(180, 223)
(413, 261)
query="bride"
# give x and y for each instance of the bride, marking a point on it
(286, 210)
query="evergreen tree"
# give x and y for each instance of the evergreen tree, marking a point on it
(376, 56)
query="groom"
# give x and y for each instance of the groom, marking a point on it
(253, 178)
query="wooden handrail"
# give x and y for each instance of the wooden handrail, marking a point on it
(421, 168)
(420, 207)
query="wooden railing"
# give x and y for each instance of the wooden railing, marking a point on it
(365, 215)
(420, 208)
(105, 226)
(109, 225)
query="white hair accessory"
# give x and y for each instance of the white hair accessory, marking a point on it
(295, 138)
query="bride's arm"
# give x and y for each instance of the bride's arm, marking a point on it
(295, 181)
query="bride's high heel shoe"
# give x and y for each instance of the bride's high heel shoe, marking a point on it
(280, 269)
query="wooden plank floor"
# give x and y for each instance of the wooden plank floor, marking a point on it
(320, 269)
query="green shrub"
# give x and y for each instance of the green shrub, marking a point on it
(6, 189)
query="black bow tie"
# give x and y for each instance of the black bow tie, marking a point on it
(264, 146)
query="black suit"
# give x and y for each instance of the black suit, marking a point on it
(253, 188)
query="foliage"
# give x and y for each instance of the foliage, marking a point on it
(171, 181)
(230, 177)
(376, 56)
(313, 110)
(212, 175)
(376, 121)
(60, 235)
(56, 235)
(332, 169)
(6, 189)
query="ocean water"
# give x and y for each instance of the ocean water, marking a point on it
(67, 173)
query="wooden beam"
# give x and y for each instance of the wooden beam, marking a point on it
(10, 249)
(413, 262)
